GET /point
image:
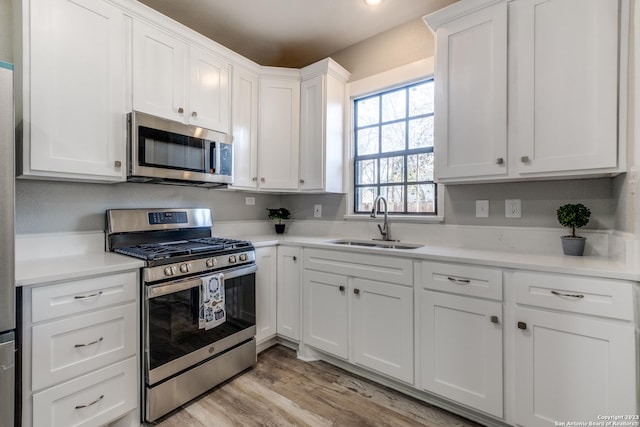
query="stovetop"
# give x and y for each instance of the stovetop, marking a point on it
(200, 247)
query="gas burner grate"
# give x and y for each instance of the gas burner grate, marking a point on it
(153, 251)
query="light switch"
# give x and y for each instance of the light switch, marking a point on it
(482, 208)
(512, 208)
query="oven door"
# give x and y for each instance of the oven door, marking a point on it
(173, 339)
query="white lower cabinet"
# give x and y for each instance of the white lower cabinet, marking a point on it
(575, 349)
(461, 334)
(356, 317)
(288, 292)
(80, 364)
(266, 260)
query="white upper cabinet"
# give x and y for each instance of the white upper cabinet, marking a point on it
(555, 68)
(566, 84)
(245, 129)
(71, 64)
(279, 130)
(178, 81)
(471, 95)
(322, 98)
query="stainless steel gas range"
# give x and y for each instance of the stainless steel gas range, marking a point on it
(198, 302)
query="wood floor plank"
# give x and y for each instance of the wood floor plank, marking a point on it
(282, 391)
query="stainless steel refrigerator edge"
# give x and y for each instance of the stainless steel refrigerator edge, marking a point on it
(7, 257)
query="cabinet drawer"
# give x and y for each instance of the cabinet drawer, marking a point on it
(461, 279)
(91, 400)
(595, 296)
(80, 344)
(63, 299)
(376, 267)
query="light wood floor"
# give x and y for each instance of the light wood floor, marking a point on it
(284, 391)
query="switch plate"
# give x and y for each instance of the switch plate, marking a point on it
(512, 208)
(317, 211)
(482, 209)
(250, 201)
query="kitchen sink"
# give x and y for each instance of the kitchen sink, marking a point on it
(385, 244)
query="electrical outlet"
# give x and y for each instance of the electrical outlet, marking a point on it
(512, 208)
(250, 201)
(482, 209)
(317, 211)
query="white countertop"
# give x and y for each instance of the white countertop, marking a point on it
(33, 268)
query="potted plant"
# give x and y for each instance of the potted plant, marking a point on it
(574, 216)
(278, 215)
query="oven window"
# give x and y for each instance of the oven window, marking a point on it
(173, 327)
(170, 151)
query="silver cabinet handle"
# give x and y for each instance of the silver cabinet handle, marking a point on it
(262, 180)
(117, 163)
(560, 294)
(90, 343)
(524, 159)
(302, 181)
(97, 294)
(494, 319)
(180, 110)
(459, 281)
(254, 179)
(92, 403)
(295, 258)
(499, 161)
(341, 288)
(356, 291)
(194, 114)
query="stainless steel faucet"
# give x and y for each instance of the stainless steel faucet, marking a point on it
(384, 229)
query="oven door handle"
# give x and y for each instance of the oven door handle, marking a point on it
(161, 289)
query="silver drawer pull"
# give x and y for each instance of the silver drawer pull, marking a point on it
(88, 344)
(97, 294)
(560, 294)
(459, 281)
(92, 403)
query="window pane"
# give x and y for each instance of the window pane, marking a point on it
(368, 111)
(421, 99)
(421, 132)
(395, 197)
(392, 169)
(364, 198)
(420, 167)
(393, 137)
(368, 141)
(366, 172)
(394, 105)
(421, 198)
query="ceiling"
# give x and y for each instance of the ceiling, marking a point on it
(292, 33)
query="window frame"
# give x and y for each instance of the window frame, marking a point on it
(386, 81)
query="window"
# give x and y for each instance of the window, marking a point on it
(394, 150)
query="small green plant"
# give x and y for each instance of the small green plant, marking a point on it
(279, 214)
(574, 216)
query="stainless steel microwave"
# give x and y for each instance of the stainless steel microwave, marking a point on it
(167, 152)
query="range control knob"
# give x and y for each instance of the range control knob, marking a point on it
(185, 268)
(211, 262)
(232, 259)
(170, 271)
(243, 257)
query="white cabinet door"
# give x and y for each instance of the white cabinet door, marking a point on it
(210, 91)
(471, 95)
(321, 134)
(326, 316)
(74, 118)
(461, 350)
(383, 327)
(266, 293)
(567, 84)
(278, 134)
(569, 368)
(289, 286)
(245, 130)
(159, 73)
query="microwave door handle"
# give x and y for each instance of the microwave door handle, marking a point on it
(212, 157)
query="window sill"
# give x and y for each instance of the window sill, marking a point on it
(397, 218)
